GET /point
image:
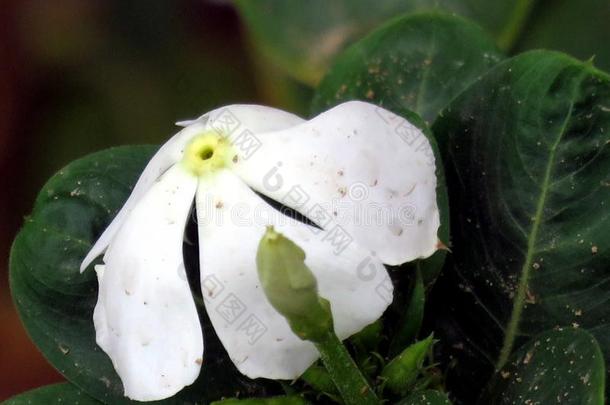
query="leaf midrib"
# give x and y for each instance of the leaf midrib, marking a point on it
(519, 302)
(424, 80)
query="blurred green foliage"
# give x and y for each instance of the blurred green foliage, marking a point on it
(123, 72)
(303, 37)
(118, 72)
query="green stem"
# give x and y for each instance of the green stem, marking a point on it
(350, 382)
(516, 21)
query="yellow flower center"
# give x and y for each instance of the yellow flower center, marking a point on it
(207, 153)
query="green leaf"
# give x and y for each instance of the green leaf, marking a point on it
(402, 371)
(427, 397)
(55, 302)
(579, 28)
(63, 393)
(527, 156)
(412, 317)
(303, 37)
(557, 367)
(283, 400)
(419, 62)
(368, 339)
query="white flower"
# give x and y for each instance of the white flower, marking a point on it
(363, 175)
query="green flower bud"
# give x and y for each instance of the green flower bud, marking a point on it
(402, 371)
(291, 287)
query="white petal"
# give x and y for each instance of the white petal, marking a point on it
(145, 317)
(166, 156)
(185, 123)
(359, 166)
(239, 122)
(240, 117)
(234, 119)
(232, 219)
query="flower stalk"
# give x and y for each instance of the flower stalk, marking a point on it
(348, 379)
(292, 290)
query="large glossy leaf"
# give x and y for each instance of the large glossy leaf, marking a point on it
(56, 302)
(303, 37)
(283, 400)
(558, 367)
(63, 393)
(527, 155)
(419, 62)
